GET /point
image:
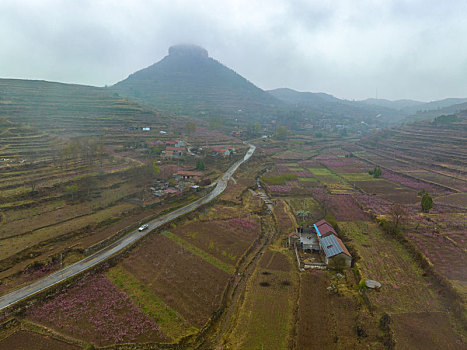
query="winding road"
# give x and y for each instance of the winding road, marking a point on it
(116, 247)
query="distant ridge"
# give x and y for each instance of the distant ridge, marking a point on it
(369, 109)
(188, 80)
(397, 104)
(325, 105)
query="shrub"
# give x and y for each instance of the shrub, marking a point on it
(426, 203)
(332, 220)
(376, 172)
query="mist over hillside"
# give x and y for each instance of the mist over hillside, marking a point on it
(325, 105)
(187, 80)
(49, 105)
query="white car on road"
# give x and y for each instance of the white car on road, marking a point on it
(143, 227)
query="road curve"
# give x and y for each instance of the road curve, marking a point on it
(116, 247)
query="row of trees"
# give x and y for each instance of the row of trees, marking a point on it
(85, 149)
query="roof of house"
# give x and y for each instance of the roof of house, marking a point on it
(323, 228)
(308, 239)
(332, 246)
(177, 149)
(219, 149)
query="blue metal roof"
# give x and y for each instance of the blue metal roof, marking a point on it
(331, 246)
(317, 231)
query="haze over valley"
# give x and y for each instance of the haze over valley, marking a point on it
(235, 175)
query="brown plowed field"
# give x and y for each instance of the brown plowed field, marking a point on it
(328, 321)
(227, 240)
(185, 282)
(425, 330)
(275, 261)
(24, 340)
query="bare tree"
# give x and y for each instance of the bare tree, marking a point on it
(397, 216)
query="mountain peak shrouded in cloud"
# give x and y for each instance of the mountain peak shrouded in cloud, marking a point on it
(412, 49)
(188, 50)
(187, 80)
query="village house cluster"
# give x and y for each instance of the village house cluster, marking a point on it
(321, 239)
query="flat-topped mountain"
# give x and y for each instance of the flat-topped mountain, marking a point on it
(188, 80)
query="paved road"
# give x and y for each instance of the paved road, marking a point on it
(104, 254)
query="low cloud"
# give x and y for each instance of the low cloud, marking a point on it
(402, 49)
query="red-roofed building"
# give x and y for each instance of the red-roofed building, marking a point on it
(324, 228)
(176, 151)
(221, 150)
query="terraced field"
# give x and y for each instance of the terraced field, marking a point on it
(70, 108)
(170, 285)
(64, 179)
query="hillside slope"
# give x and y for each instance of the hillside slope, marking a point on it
(189, 81)
(329, 106)
(49, 106)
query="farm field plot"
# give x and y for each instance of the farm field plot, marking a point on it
(343, 206)
(289, 178)
(21, 221)
(47, 259)
(385, 260)
(334, 183)
(343, 164)
(170, 322)
(405, 287)
(266, 316)
(328, 321)
(445, 244)
(30, 340)
(455, 199)
(389, 191)
(226, 240)
(188, 284)
(424, 330)
(449, 181)
(289, 155)
(426, 145)
(356, 176)
(18, 243)
(307, 204)
(95, 310)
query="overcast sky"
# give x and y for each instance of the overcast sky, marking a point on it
(352, 49)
